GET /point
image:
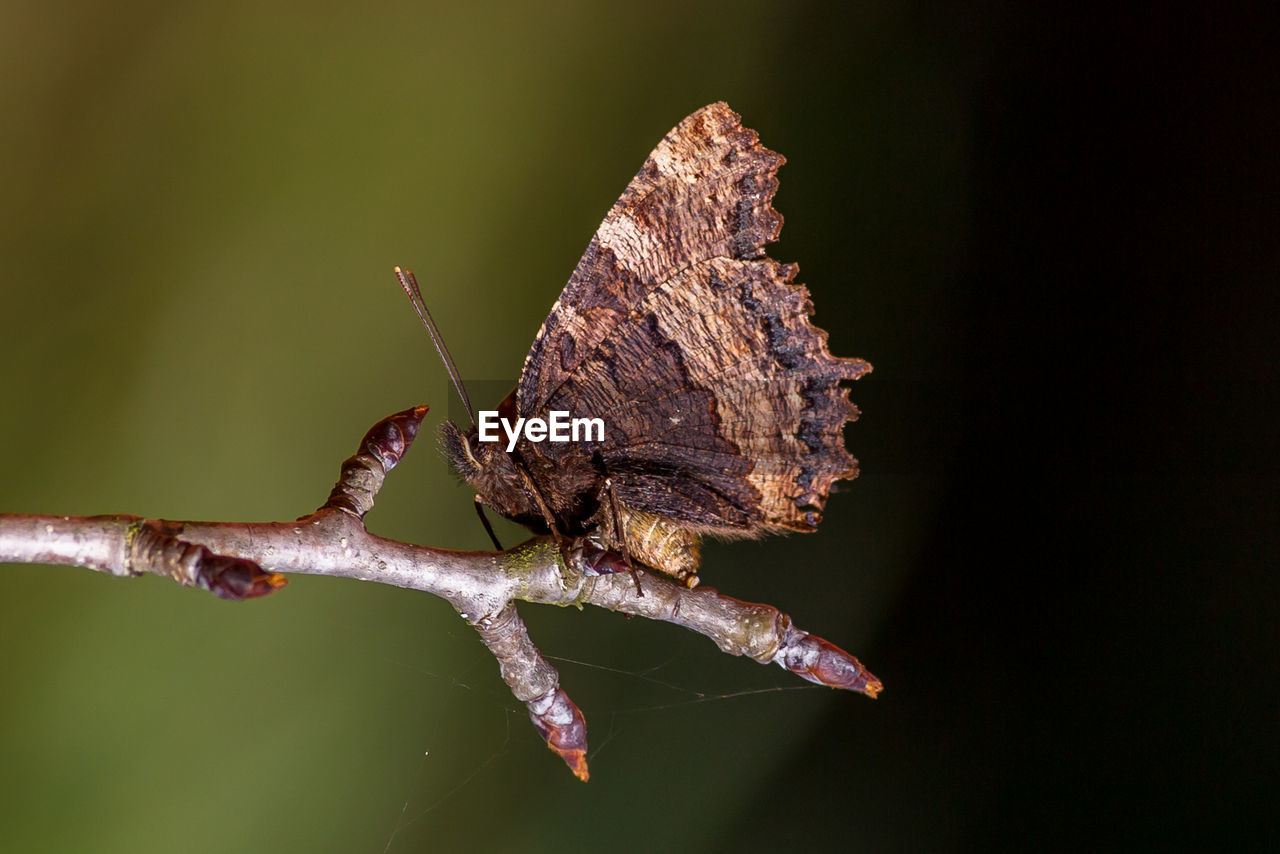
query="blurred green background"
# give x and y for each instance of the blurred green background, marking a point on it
(203, 207)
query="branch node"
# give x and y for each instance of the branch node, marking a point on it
(153, 547)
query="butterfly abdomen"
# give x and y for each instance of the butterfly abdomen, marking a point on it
(660, 543)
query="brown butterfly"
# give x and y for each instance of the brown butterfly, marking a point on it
(721, 405)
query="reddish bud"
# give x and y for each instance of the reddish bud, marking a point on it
(564, 729)
(236, 580)
(821, 661)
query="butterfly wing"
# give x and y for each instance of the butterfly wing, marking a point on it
(722, 404)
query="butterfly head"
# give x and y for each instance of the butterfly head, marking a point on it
(490, 470)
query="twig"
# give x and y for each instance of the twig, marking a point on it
(244, 560)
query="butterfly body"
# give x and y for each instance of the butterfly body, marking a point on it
(723, 409)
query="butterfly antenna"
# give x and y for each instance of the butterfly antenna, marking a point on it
(410, 286)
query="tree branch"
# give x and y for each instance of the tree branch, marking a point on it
(244, 560)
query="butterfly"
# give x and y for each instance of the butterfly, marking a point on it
(722, 409)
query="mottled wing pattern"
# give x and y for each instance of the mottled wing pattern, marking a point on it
(703, 192)
(722, 403)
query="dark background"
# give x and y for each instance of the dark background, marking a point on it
(1053, 231)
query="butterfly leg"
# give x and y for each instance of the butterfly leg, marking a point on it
(484, 520)
(621, 537)
(563, 542)
(650, 541)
